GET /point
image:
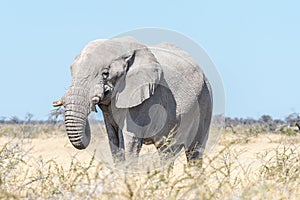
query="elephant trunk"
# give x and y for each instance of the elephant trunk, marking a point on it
(77, 109)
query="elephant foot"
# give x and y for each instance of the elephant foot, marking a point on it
(195, 162)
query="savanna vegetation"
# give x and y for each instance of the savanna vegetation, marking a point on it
(253, 159)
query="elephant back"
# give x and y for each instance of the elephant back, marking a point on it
(182, 75)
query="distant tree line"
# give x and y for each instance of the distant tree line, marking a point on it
(266, 121)
(57, 116)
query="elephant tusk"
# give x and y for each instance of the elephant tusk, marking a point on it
(95, 99)
(57, 103)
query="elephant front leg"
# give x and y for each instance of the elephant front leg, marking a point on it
(116, 151)
(115, 142)
(132, 145)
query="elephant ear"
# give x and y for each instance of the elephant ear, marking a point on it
(142, 77)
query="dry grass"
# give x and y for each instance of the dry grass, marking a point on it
(39, 163)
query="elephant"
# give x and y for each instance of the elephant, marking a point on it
(148, 95)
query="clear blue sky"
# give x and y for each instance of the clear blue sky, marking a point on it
(255, 46)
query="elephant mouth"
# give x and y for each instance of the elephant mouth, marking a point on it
(107, 88)
(106, 99)
(106, 93)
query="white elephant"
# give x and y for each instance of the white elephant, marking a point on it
(148, 95)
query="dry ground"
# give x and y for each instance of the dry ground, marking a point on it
(240, 166)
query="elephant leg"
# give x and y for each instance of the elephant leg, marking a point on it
(115, 142)
(132, 145)
(168, 152)
(116, 151)
(194, 154)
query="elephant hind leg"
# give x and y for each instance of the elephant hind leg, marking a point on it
(195, 151)
(194, 154)
(168, 152)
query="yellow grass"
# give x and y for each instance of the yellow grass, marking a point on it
(40, 163)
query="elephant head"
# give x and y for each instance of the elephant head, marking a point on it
(120, 71)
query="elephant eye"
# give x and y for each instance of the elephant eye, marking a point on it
(105, 74)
